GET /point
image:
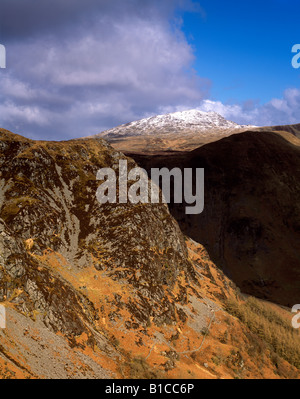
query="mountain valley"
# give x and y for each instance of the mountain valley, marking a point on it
(126, 291)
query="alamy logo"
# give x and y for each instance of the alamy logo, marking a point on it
(296, 319)
(2, 317)
(296, 58)
(147, 191)
(2, 56)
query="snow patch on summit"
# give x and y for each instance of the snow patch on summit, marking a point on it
(190, 121)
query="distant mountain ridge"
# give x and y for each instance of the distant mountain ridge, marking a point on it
(293, 129)
(178, 122)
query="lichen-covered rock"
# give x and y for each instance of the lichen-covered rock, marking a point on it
(49, 205)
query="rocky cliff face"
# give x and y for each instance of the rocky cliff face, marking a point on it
(51, 219)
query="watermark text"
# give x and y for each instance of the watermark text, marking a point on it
(2, 316)
(188, 187)
(2, 56)
(296, 58)
(296, 319)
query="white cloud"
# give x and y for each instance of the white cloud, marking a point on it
(77, 69)
(279, 111)
(121, 68)
(23, 114)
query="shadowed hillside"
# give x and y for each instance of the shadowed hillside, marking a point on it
(251, 221)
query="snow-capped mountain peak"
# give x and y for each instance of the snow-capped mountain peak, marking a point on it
(178, 122)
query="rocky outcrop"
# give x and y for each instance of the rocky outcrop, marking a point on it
(53, 229)
(49, 204)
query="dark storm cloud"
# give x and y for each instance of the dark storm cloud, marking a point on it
(22, 18)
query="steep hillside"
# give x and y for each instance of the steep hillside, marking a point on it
(57, 241)
(105, 291)
(251, 221)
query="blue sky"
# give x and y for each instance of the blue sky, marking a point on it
(244, 47)
(76, 68)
